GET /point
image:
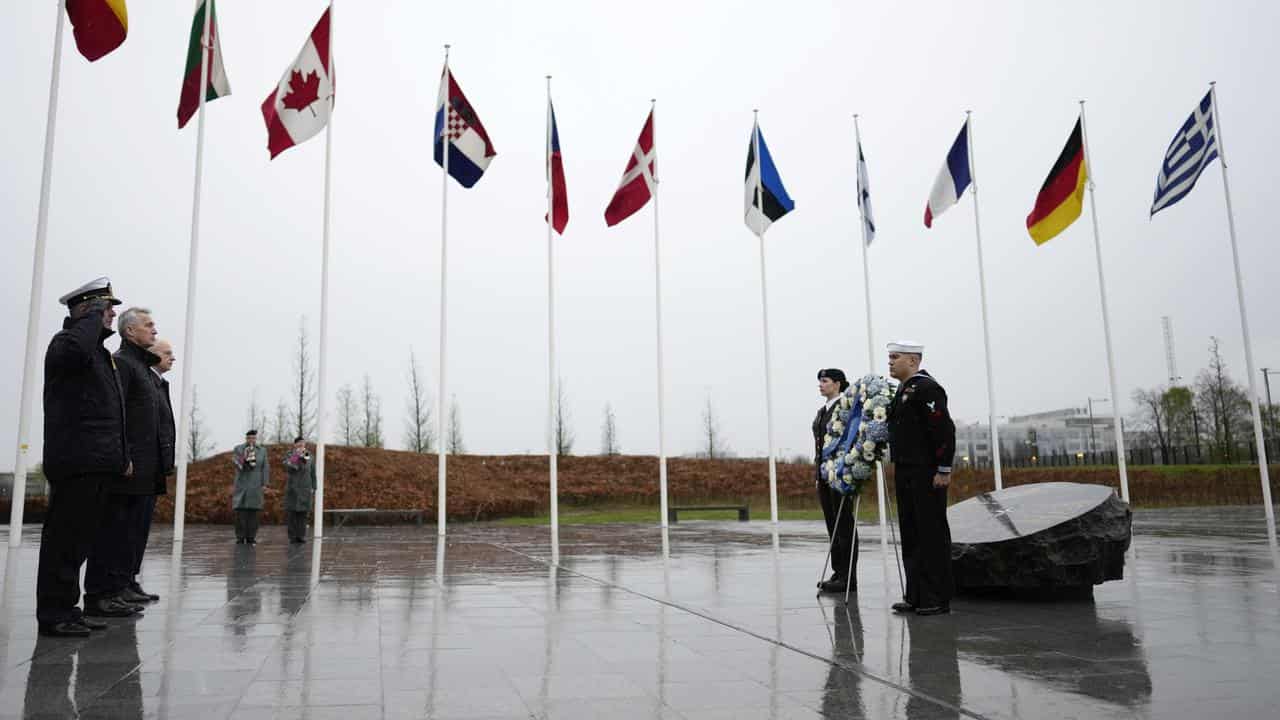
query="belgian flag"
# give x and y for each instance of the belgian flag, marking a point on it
(1062, 195)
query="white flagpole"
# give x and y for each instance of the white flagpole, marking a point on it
(442, 451)
(982, 287)
(322, 419)
(764, 304)
(657, 280)
(552, 444)
(193, 272)
(871, 353)
(1106, 314)
(37, 291)
(1244, 326)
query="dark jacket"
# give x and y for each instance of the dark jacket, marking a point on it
(142, 418)
(921, 431)
(299, 489)
(84, 423)
(820, 430)
(168, 434)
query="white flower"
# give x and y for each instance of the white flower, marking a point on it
(869, 446)
(868, 456)
(837, 426)
(880, 414)
(826, 440)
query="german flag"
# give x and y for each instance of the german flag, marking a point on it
(100, 26)
(1062, 195)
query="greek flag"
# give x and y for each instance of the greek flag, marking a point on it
(864, 196)
(1194, 146)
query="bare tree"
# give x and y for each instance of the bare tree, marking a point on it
(256, 416)
(1219, 399)
(609, 432)
(304, 378)
(419, 435)
(454, 445)
(371, 416)
(1153, 417)
(198, 441)
(714, 445)
(347, 422)
(564, 435)
(281, 424)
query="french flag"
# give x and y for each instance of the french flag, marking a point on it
(953, 178)
(470, 150)
(555, 175)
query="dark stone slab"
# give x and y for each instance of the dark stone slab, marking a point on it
(1041, 537)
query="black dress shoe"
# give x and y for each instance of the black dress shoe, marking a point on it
(152, 597)
(933, 610)
(70, 628)
(252, 541)
(903, 607)
(836, 585)
(132, 597)
(240, 541)
(110, 607)
(91, 623)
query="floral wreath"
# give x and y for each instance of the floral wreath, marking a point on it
(857, 434)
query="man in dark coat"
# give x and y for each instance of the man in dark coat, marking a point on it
(922, 440)
(111, 561)
(163, 350)
(299, 489)
(844, 545)
(84, 451)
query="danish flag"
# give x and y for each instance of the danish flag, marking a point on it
(638, 180)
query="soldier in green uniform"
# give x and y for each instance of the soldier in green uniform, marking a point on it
(253, 474)
(299, 489)
(922, 441)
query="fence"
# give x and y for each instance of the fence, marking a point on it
(1202, 454)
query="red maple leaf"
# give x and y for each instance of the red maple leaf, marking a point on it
(302, 91)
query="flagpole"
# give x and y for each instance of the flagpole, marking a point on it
(657, 281)
(19, 496)
(444, 303)
(764, 303)
(553, 447)
(1263, 471)
(982, 287)
(1106, 314)
(193, 272)
(322, 420)
(871, 353)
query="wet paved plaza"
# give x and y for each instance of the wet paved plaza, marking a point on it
(717, 620)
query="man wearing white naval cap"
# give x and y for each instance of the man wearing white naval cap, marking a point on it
(84, 450)
(922, 440)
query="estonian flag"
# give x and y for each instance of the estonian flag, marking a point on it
(762, 179)
(1061, 197)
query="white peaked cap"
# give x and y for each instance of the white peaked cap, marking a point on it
(906, 346)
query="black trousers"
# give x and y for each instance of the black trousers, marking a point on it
(111, 559)
(926, 537)
(70, 527)
(846, 542)
(297, 525)
(141, 533)
(246, 524)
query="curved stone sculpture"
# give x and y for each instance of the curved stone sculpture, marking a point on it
(1046, 536)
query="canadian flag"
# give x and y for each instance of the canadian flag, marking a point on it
(299, 107)
(638, 179)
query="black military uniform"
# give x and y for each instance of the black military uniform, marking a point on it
(84, 451)
(845, 545)
(168, 437)
(922, 440)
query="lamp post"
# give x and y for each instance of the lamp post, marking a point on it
(1092, 400)
(1271, 411)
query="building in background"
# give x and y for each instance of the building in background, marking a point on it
(1068, 431)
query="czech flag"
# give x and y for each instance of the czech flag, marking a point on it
(555, 175)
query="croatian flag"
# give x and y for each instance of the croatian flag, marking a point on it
(952, 180)
(470, 150)
(555, 175)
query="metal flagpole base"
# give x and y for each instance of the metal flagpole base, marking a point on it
(893, 519)
(848, 578)
(830, 545)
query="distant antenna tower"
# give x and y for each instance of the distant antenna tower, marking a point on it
(1170, 360)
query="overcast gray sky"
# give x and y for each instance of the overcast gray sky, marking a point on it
(121, 202)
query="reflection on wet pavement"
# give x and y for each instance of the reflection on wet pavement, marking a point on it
(714, 620)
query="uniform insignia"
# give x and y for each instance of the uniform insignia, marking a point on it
(930, 404)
